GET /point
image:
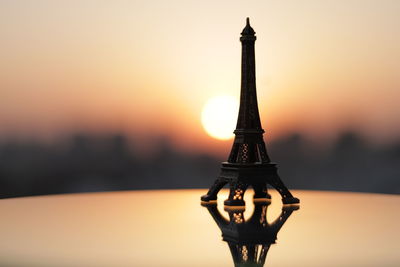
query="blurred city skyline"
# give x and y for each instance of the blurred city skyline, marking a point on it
(86, 163)
(146, 68)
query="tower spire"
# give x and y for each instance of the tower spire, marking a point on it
(249, 118)
(248, 124)
(248, 30)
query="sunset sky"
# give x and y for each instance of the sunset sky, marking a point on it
(147, 68)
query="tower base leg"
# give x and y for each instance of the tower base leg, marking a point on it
(287, 197)
(213, 191)
(261, 192)
(236, 194)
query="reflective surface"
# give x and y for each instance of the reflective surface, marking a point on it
(171, 228)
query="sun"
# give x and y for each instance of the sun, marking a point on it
(219, 116)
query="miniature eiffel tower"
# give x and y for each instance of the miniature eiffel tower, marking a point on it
(249, 240)
(248, 163)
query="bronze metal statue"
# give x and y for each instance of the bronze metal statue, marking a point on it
(248, 163)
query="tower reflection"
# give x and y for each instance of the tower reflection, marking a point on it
(249, 240)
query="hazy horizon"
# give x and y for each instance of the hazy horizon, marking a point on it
(87, 163)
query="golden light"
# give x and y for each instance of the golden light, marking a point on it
(219, 116)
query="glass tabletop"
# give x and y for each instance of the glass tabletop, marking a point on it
(172, 228)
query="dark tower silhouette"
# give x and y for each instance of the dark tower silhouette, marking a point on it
(248, 163)
(249, 240)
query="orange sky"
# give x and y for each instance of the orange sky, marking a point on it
(148, 67)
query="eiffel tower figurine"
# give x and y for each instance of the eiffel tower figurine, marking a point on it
(248, 163)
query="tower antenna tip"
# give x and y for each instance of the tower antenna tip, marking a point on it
(248, 21)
